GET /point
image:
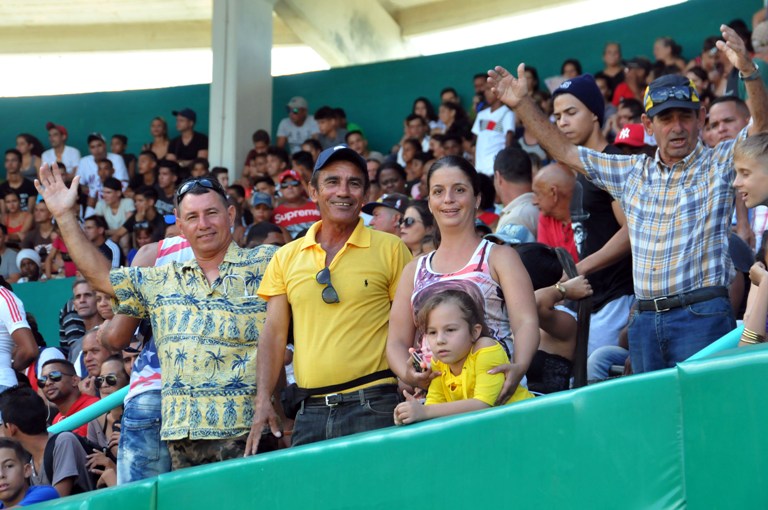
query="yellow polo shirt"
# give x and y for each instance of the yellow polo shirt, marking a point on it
(336, 343)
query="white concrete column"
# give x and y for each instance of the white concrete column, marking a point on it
(241, 91)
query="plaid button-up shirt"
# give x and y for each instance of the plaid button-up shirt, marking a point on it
(679, 216)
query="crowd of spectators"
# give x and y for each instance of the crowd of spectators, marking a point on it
(446, 273)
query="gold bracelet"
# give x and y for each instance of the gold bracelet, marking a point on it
(748, 333)
(748, 340)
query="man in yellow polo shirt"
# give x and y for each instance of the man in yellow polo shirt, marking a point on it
(336, 284)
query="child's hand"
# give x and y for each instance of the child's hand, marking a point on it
(423, 378)
(410, 411)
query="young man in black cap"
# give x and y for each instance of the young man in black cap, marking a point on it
(189, 144)
(336, 286)
(678, 207)
(603, 239)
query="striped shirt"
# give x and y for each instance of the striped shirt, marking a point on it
(12, 317)
(678, 216)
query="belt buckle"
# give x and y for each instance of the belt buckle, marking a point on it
(334, 399)
(656, 305)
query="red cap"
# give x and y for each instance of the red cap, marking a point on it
(57, 127)
(632, 135)
(289, 174)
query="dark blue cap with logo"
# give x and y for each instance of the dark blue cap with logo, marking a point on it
(341, 152)
(584, 88)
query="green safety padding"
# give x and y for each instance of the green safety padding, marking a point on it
(136, 496)
(543, 451)
(725, 417)
(687, 437)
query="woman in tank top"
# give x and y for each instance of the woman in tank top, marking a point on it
(31, 151)
(462, 259)
(159, 144)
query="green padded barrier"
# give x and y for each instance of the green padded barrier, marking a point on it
(377, 96)
(540, 453)
(136, 496)
(45, 300)
(725, 417)
(688, 437)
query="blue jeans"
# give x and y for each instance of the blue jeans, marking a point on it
(141, 453)
(602, 359)
(317, 423)
(662, 339)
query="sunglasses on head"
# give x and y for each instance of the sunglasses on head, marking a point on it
(323, 277)
(202, 182)
(408, 222)
(289, 184)
(109, 380)
(666, 93)
(53, 376)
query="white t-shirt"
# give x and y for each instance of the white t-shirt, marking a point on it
(70, 157)
(491, 128)
(115, 220)
(12, 317)
(297, 134)
(88, 171)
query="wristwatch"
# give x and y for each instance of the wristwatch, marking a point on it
(754, 75)
(561, 288)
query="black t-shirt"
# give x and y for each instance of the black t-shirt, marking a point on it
(158, 226)
(189, 152)
(592, 233)
(26, 190)
(164, 203)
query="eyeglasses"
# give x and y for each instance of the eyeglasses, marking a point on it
(409, 222)
(294, 110)
(203, 182)
(290, 184)
(110, 380)
(54, 376)
(323, 277)
(666, 93)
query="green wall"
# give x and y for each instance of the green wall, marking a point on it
(376, 96)
(44, 300)
(688, 437)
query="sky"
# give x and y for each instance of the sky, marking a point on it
(136, 70)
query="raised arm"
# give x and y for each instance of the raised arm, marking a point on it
(733, 47)
(513, 92)
(60, 200)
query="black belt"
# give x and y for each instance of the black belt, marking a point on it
(665, 303)
(352, 397)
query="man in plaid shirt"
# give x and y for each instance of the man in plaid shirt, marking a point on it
(678, 206)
